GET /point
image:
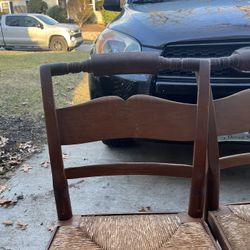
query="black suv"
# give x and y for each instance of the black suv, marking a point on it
(174, 28)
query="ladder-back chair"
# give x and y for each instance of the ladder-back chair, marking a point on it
(140, 116)
(230, 223)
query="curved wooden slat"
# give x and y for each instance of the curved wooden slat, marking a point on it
(234, 160)
(232, 113)
(140, 116)
(131, 168)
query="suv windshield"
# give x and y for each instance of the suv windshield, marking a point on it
(47, 20)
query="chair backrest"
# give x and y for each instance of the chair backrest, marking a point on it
(228, 116)
(138, 117)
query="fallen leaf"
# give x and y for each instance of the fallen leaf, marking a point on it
(3, 141)
(7, 202)
(2, 188)
(25, 167)
(144, 210)
(65, 156)
(52, 228)
(25, 145)
(21, 225)
(7, 223)
(45, 164)
(13, 162)
(32, 149)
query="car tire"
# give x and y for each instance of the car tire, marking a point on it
(58, 43)
(118, 143)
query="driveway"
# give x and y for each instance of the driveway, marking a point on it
(35, 203)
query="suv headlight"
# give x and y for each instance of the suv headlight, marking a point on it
(111, 41)
(71, 31)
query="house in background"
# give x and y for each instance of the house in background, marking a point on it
(20, 6)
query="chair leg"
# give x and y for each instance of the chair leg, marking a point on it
(63, 204)
(212, 196)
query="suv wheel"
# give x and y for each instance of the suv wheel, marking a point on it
(58, 43)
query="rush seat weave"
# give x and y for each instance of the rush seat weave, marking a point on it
(233, 224)
(133, 232)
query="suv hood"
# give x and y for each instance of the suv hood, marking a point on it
(156, 24)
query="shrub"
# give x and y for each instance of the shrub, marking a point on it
(98, 5)
(58, 13)
(80, 10)
(37, 6)
(108, 16)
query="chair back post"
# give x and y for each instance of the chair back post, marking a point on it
(213, 174)
(197, 193)
(60, 184)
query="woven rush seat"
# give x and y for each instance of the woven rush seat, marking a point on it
(132, 232)
(232, 223)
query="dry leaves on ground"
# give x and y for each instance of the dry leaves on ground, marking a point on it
(144, 209)
(27, 146)
(45, 164)
(25, 167)
(7, 202)
(8, 222)
(65, 156)
(52, 228)
(3, 141)
(2, 188)
(20, 224)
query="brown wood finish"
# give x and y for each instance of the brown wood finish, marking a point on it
(213, 174)
(131, 168)
(229, 115)
(60, 184)
(234, 160)
(138, 117)
(196, 201)
(232, 113)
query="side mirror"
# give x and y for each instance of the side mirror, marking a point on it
(112, 5)
(40, 26)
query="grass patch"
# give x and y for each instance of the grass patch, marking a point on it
(21, 112)
(20, 84)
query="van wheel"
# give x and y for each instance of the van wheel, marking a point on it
(58, 43)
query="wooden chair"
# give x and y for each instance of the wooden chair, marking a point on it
(230, 223)
(140, 116)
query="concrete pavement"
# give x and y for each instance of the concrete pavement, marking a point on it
(102, 194)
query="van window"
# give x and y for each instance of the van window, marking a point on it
(16, 21)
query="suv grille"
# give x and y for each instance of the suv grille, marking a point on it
(203, 51)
